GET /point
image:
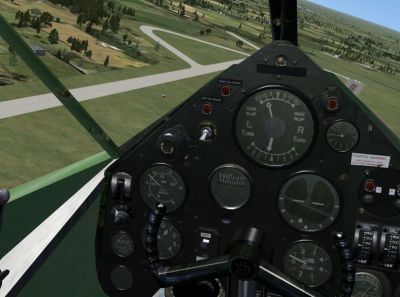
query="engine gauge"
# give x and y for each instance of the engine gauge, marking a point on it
(367, 285)
(230, 186)
(169, 240)
(342, 136)
(122, 244)
(309, 263)
(274, 127)
(161, 183)
(309, 203)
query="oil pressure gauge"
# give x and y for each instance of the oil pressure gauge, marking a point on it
(342, 136)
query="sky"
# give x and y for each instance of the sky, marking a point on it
(383, 12)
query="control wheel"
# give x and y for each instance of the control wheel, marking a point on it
(243, 260)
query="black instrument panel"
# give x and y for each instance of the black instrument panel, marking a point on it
(297, 157)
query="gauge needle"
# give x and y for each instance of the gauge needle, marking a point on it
(302, 202)
(298, 259)
(271, 141)
(155, 181)
(269, 106)
(336, 135)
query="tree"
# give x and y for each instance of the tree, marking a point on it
(58, 20)
(115, 23)
(208, 31)
(105, 26)
(106, 61)
(18, 14)
(53, 36)
(89, 54)
(125, 37)
(157, 46)
(111, 6)
(59, 55)
(202, 33)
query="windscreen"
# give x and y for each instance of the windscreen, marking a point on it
(130, 62)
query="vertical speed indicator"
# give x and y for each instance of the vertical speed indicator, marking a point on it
(274, 127)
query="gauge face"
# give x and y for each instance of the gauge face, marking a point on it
(308, 263)
(367, 285)
(230, 186)
(161, 183)
(274, 127)
(122, 244)
(309, 203)
(342, 136)
(169, 240)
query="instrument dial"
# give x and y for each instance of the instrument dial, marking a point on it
(309, 203)
(342, 136)
(169, 240)
(274, 127)
(161, 183)
(367, 285)
(122, 244)
(230, 186)
(309, 263)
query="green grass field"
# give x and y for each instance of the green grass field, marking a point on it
(38, 143)
(200, 52)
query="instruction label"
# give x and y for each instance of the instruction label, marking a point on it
(368, 160)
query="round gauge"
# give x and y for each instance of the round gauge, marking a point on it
(342, 136)
(122, 244)
(160, 183)
(230, 186)
(169, 240)
(309, 202)
(274, 127)
(367, 285)
(308, 263)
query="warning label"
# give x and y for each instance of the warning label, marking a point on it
(370, 160)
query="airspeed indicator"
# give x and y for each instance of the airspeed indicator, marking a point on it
(274, 127)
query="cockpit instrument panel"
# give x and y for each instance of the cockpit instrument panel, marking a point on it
(286, 149)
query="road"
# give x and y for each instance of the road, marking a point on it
(26, 105)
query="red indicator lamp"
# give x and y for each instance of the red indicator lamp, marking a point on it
(369, 186)
(207, 108)
(332, 104)
(226, 91)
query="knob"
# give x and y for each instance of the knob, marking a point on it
(121, 217)
(173, 142)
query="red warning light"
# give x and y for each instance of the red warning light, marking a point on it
(332, 104)
(226, 91)
(369, 186)
(207, 108)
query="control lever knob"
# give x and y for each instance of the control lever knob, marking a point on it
(206, 134)
(121, 217)
(173, 142)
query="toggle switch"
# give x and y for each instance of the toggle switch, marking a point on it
(206, 134)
